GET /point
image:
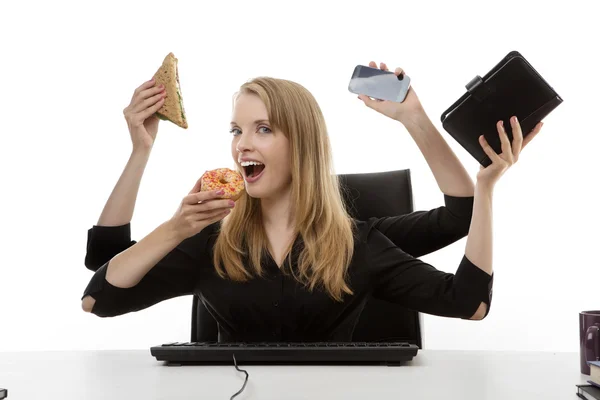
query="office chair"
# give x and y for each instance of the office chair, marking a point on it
(378, 194)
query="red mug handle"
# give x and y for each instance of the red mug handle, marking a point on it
(592, 343)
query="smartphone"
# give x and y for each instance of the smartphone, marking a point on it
(379, 84)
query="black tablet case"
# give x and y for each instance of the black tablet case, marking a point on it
(512, 87)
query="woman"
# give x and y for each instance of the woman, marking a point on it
(286, 262)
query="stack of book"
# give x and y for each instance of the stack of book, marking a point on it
(591, 391)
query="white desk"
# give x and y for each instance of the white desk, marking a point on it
(432, 374)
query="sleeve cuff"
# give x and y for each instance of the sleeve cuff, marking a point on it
(114, 234)
(459, 206)
(476, 282)
(104, 242)
(105, 294)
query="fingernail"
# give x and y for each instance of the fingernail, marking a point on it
(231, 203)
(221, 191)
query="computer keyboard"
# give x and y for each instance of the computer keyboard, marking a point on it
(285, 353)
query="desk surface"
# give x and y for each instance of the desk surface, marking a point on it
(433, 374)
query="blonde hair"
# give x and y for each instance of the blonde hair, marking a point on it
(322, 221)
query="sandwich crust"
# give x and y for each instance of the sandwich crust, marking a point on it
(172, 109)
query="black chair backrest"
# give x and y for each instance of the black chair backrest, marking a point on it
(379, 194)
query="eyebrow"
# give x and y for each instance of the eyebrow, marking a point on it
(258, 121)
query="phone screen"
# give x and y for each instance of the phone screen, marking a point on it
(378, 84)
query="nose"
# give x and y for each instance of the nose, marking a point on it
(244, 143)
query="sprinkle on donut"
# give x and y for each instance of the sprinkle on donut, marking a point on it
(227, 179)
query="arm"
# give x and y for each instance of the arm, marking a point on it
(112, 234)
(401, 278)
(148, 272)
(143, 128)
(121, 202)
(479, 242)
(450, 174)
(466, 294)
(423, 232)
(164, 264)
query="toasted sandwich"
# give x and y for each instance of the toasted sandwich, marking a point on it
(172, 109)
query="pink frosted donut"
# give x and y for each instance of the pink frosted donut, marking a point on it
(227, 179)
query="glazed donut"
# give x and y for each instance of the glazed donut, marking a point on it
(227, 179)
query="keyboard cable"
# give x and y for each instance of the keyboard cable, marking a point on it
(245, 380)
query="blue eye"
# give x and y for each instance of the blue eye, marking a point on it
(264, 127)
(233, 131)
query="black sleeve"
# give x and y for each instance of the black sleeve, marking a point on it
(403, 279)
(105, 242)
(174, 275)
(423, 232)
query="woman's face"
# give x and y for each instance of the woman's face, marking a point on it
(262, 153)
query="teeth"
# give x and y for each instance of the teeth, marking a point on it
(248, 163)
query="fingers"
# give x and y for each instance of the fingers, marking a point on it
(144, 86)
(384, 67)
(505, 142)
(151, 91)
(215, 204)
(213, 215)
(148, 98)
(196, 187)
(517, 143)
(198, 197)
(532, 134)
(369, 102)
(152, 109)
(149, 102)
(495, 158)
(207, 210)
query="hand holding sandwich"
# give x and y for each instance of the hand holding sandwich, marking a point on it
(140, 114)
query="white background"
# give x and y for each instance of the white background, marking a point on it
(69, 69)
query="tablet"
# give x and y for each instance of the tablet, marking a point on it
(512, 87)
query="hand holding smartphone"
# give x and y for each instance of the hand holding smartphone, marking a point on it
(379, 84)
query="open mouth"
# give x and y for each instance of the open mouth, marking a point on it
(253, 169)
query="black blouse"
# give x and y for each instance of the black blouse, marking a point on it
(277, 308)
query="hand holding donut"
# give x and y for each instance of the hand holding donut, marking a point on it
(198, 210)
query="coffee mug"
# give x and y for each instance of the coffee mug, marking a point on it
(589, 339)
